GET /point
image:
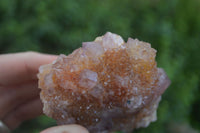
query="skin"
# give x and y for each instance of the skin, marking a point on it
(19, 92)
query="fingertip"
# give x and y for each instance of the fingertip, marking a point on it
(21, 67)
(34, 60)
(45, 58)
(66, 129)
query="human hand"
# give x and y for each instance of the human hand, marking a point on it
(19, 93)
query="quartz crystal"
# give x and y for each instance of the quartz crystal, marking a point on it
(106, 85)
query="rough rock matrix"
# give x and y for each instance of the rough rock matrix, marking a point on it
(106, 85)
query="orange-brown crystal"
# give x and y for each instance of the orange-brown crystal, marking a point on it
(106, 85)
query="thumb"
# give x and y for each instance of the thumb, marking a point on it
(66, 129)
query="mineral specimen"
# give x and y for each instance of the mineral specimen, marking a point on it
(106, 85)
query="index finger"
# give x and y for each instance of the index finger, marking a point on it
(21, 67)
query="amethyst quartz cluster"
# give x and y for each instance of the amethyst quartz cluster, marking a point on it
(106, 85)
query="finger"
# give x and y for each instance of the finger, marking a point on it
(66, 129)
(29, 110)
(21, 66)
(13, 96)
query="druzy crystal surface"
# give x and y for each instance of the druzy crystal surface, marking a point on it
(106, 85)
